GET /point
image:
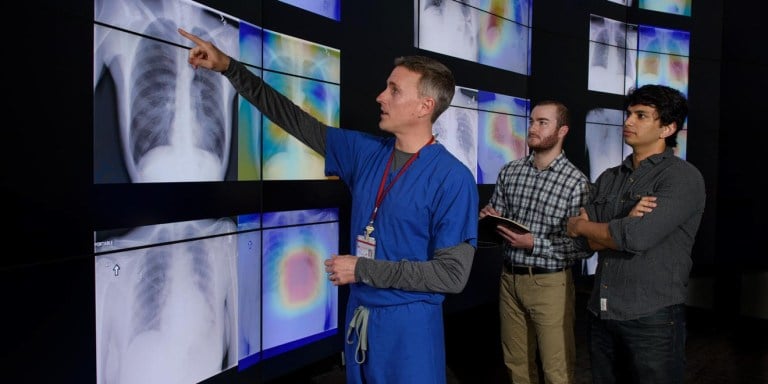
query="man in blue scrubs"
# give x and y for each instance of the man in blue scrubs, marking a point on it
(414, 215)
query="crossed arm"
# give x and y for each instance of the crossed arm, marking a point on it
(597, 234)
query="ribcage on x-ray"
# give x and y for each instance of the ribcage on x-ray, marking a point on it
(155, 90)
(209, 108)
(202, 273)
(465, 133)
(153, 97)
(209, 111)
(151, 291)
(169, 275)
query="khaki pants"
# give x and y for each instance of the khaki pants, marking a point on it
(538, 307)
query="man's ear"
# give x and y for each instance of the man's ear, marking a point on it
(562, 131)
(668, 130)
(427, 106)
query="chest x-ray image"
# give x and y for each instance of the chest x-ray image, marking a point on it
(449, 27)
(612, 55)
(156, 119)
(604, 140)
(492, 33)
(166, 303)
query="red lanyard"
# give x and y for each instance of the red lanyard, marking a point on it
(382, 191)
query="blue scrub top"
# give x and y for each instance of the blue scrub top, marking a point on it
(432, 205)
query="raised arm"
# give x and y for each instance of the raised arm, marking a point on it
(274, 105)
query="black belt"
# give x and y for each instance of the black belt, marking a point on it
(521, 270)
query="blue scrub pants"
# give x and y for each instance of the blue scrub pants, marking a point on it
(406, 344)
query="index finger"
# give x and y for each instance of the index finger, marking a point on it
(192, 37)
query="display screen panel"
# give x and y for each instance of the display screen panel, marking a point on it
(285, 300)
(166, 302)
(327, 8)
(300, 305)
(623, 56)
(612, 55)
(494, 33)
(675, 7)
(663, 57)
(156, 119)
(309, 75)
(502, 133)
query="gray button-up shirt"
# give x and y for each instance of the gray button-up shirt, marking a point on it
(650, 269)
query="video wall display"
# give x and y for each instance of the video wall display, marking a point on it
(484, 130)
(156, 119)
(493, 33)
(186, 301)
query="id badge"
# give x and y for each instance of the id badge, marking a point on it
(366, 247)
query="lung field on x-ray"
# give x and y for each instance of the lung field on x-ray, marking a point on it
(153, 96)
(209, 109)
(156, 280)
(151, 293)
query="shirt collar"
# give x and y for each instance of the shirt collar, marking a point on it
(653, 159)
(555, 165)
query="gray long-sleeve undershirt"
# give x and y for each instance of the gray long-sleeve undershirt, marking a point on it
(449, 269)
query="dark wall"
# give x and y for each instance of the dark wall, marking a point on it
(742, 101)
(46, 274)
(45, 279)
(741, 204)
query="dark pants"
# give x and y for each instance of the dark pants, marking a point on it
(647, 350)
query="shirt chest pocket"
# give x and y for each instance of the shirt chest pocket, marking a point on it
(619, 204)
(604, 206)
